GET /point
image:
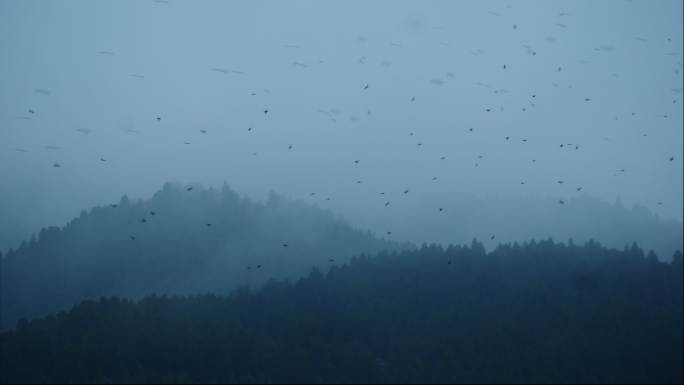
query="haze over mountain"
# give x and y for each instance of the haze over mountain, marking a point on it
(184, 240)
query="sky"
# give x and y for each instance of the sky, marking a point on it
(396, 85)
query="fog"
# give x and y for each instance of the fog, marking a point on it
(127, 95)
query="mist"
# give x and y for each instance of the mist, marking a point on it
(602, 79)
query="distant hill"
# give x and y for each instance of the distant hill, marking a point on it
(178, 242)
(522, 218)
(533, 313)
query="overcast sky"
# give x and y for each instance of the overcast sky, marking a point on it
(605, 76)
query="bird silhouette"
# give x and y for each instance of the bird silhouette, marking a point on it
(289, 147)
(441, 209)
(153, 213)
(285, 245)
(31, 111)
(132, 237)
(561, 201)
(56, 165)
(143, 220)
(103, 160)
(208, 224)
(356, 161)
(188, 189)
(579, 189)
(406, 191)
(331, 260)
(492, 237)
(386, 204)
(265, 112)
(258, 266)
(413, 99)
(671, 158)
(158, 118)
(389, 233)
(114, 205)
(203, 131)
(365, 87)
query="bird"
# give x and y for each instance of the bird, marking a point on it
(365, 87)
(143, 220)
(534, 96)
(515, 26)
(579, 188)
(114, 205)
(560, 182)
(31, 111)
(56, 165)
(331, 260)
(443, 157)
(587, 99)
(562, 145)
(449, 263)
(441, 209)
(671, 158)
(265, 111)
(413, 99)
(285, 245)
(389, 233)
(660, 203)
(508, 137)
(559, 69)
(386, 204)
(327, 199)
(504, 66)
(208, 224)
(492, 237)
(158, 118)
(420, 144)
(356, 161)
(203, 131)
(406, 191)
(313, 193)
(470, 129)
(249, 128)
(534, 161)
(103, 160)
(522, 182)
(524, 140)
(249, 267)
(382, 193)
(153, 213)
(132, 237)
(188, 189)
(258, 266)
(561, 201)
(488, 109)
(434, 178)
(289, 147)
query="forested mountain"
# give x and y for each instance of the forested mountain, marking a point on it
(537, 312)
(183, 240)
(521, 218)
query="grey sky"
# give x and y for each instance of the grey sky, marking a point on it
(109, 68)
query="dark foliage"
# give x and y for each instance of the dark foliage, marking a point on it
(524, 313)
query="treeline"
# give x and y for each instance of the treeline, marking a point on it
(182, 241)
(537, 312)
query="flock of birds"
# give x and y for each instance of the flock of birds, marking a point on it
(357, 162)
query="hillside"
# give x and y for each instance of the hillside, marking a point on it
(180, 241)
(538, 312)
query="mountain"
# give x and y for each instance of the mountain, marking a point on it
(533, 313)
(181, 241)
(521, 218)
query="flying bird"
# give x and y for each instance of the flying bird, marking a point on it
(114, 205)
(153, 213)
(158, 118)
(285, 245)
(365, 87)
(671, 158)
(492, 237)
(103, 160)
(188, 189)
(56, 165)
(579, 189)
(386, 204)
(406, 191)
(143, 220)
(31, 111)
(413, 99)
(132, 237)
(561, 201)
(203, 131)
(441, 209)
(265, 112)
(208, 224)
